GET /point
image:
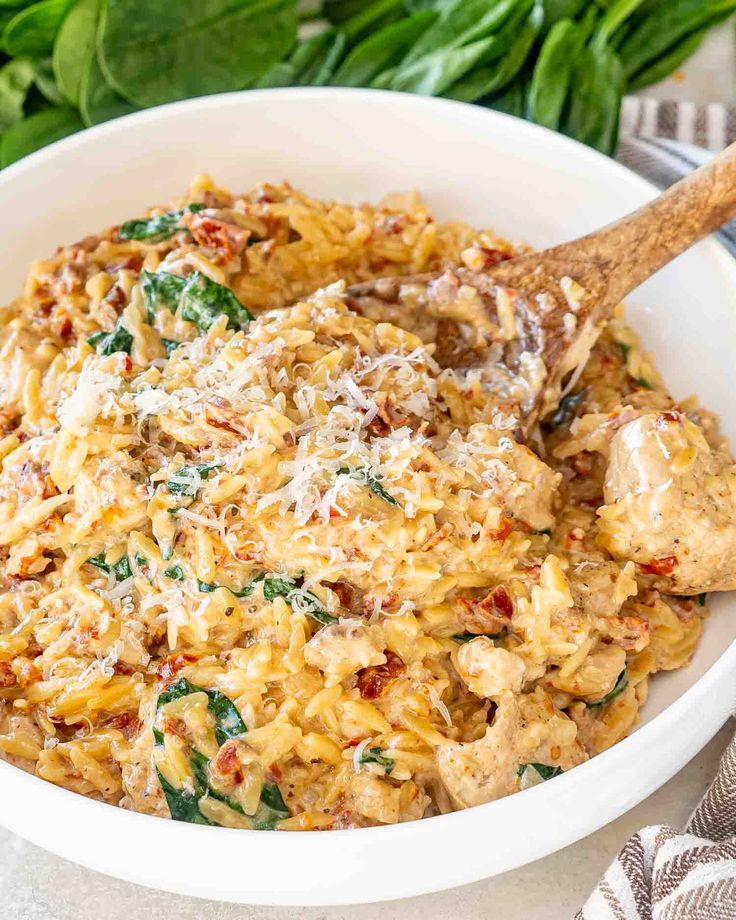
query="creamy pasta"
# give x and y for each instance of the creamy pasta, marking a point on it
(268, 562)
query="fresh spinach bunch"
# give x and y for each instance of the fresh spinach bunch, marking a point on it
(562, 63)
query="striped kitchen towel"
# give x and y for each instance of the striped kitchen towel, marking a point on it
(663, 140)
(665, 874)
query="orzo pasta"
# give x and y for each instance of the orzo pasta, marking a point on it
(289, 571)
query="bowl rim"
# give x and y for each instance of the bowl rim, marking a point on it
(320, 846)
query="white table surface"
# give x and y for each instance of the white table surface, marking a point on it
(34, 885)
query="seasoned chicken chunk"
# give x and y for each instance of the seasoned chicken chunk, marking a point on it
(670, 504)
(526, 729)
(489, 671)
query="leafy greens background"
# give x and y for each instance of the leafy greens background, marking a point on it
(565, 64)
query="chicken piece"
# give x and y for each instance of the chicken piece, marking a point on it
(670, 504)
(341, 649)
(489, 671)
(599, 589)
(522, 483)
(526, 729)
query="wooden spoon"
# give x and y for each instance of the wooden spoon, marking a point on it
(538, 315)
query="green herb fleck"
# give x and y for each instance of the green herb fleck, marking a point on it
(643, 383)
(376, 755)
(120, 569)
(468, 636)
(625, 349)
(568, 408)
(543, 769)
(702, 598)
(174, 571)
(170, 345)
(188, 480)
(364, 476)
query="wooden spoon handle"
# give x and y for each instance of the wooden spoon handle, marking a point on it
(633, 248)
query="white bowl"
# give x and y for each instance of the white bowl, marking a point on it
(485, 168)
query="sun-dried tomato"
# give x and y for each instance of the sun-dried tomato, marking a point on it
(172, 664)
(663, 566)
(372, 681)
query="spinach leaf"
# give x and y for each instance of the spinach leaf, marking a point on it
(107, 343)
(228, 721)
(544, 770)
(595, 104)
(271, 809)
(555, 10)
(373, 16)
(174, 571)
(16, 78)
(364, 476)
(32, 31)
(568, 408)
(204, 301)
(153, 53)
(208, 587)
(37, 130)
(98, 102)
(615, 16)
(45, 82)
(332, 57)
(625, 349)
(665, 26)
(161, 289)
(188, 480)
(486, 80)
(510, 101)
(280, 74)
(157, 228)
(460, 23)
(669, 62)
(618, 687)
(338, 11)
(552, 73)
(74, 46)
(434, 73)
(307, 55)
(282, 586)
(376, 755)
(183, 805)
(314, 59)
(382, 50)
(468, 636)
